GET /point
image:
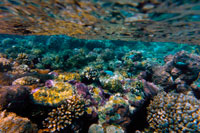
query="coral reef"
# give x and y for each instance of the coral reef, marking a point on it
(76, 83)
(11, 123)
(174, 112)
(65, 114)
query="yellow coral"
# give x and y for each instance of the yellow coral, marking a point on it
(69, 76)
(55, 95)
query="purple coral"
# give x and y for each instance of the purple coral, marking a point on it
(49, 83)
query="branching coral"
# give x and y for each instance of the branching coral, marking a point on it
(65, 115)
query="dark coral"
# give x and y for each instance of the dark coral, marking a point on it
(14, 98)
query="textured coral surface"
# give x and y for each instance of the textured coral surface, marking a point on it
(174, 112)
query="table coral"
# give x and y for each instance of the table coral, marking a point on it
(65, 114)
(174, 112)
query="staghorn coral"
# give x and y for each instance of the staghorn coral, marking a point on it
(54, 95)
(26, 80)
(65, 114)
(174, 112)
(11, 123)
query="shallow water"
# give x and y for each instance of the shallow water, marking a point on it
(99, 66)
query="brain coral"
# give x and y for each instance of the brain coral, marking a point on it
(64, 115)
(174, 112)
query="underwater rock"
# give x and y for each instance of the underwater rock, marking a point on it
(150, 89)
(161, 77)
(6, 79)
(15, 98)
(174, 112)
(179, 72)
(65, 115)
(11, 123)
(26, 80)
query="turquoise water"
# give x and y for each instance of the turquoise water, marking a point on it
(62, 45)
